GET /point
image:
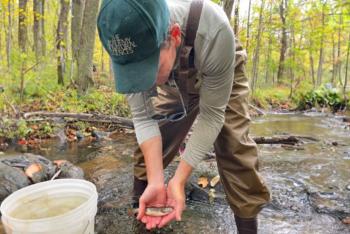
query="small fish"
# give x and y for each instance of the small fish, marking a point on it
(154, 211)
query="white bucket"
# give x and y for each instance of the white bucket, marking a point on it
(78, 220)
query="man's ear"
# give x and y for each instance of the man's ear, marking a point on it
(175, 32)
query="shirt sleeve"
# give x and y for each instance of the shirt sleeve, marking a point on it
(217, 74)
(141, 108)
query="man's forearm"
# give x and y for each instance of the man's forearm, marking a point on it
(152, 151)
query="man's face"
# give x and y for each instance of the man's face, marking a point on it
(168, 54)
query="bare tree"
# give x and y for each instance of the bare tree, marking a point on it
(321, 57)
(334, 65)
(9, 34)
(248, 25)
(283, 10)
(77, 20)
(269, 49)
(257, 49)
(38, 33)
(61, 35)
(87, 43)
(311, 57)
(228, 6)
(22, 41)
(22, 26)
(346, 70)
(236, 28)
(339, 63)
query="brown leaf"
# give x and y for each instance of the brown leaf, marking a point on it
(32, 169)
(203, 182)
(214, 181)
(346, 220)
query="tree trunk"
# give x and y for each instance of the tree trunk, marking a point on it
(61, 41)
(248, 26)
(339, 61)
(22, 25)
(334, 66)
(257, 49)
(102, 60)
(312, 68)
(346, 70)
(236, 28)
(38, 34)
(269, 49)
(283, 9)
(77, 19)
(321, 58)
(22, 43)
(87, 43)
(292, 55)
(228, 6)
(111, 74)
(43, 41)
(9, 34)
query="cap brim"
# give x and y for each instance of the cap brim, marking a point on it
(136, 77)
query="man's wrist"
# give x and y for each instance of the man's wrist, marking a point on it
(156, 180)
(182, 173)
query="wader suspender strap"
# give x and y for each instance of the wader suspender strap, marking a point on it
(187, 69)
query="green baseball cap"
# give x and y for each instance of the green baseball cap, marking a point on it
(132, 31)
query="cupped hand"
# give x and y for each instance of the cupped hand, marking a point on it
(153, 196)
(175, 198)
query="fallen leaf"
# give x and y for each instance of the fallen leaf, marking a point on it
(32, 169)
(203, 182)
(214, 181)
(22, 142)
(346, 220)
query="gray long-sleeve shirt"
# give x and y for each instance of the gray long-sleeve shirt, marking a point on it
(215, 59)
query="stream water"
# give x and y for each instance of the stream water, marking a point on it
(310, 187)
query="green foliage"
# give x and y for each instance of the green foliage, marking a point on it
(14, 129)
(265, 97)
(323, 97)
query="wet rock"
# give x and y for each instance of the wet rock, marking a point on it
(208, 195)
(37, 167)
(11, 179)
(332, 203)
(69, 170)
(348, 187)
(99, 134)
(128, 152)
(289, 195)
(79, 135)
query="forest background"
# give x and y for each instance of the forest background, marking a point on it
(51, 58)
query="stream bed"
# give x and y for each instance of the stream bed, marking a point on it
(310, 185)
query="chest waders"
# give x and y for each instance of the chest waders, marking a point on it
(186, 73)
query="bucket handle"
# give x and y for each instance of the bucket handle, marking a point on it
(86, 227)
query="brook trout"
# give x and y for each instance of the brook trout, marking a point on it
(155, 211)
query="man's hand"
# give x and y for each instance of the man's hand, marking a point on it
(176, 199)
(153, 196)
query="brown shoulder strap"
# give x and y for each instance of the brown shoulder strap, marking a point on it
(193, 22)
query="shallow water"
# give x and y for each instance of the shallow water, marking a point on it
(309, 187)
